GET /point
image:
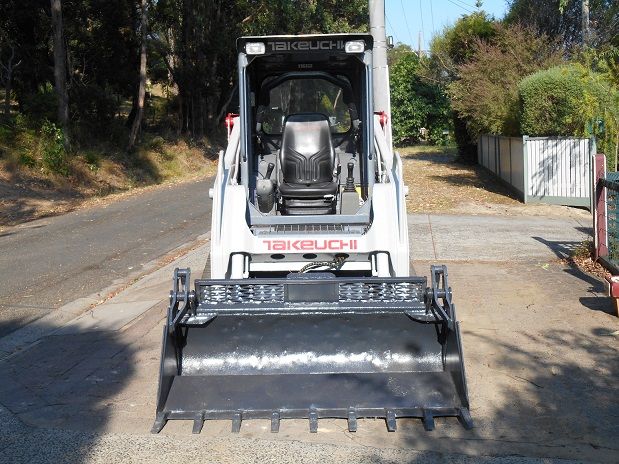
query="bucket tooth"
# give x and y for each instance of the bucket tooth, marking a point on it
(160, 422)
(236, 422)
(198, 423)
(275, 422)
(465, 419)
(428, 420)
(352, 421)
(390, 419)
(313, 421)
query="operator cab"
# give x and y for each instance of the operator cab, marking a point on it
(307, 122)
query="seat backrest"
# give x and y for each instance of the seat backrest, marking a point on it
(307, 155)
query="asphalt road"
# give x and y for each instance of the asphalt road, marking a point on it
(47, 263)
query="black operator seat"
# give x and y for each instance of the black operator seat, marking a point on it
(309, 180)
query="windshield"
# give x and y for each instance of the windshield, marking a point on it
(306, 96)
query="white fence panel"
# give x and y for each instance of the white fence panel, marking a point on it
(555, 170)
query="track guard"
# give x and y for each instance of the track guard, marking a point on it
(311, 346)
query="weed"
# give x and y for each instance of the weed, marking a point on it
(54, 157)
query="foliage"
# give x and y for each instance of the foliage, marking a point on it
(53, 153)
(570, 100)
(563, 19)
(454, 47)
(195, 40)
(396, 53)
(486, 93)
(416, 103)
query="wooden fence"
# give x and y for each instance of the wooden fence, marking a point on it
(553, 170)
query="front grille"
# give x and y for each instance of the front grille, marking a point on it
(242, 293)
(302, 229)
(348, 292)
(381, 291)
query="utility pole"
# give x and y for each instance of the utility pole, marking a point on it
(419, 45)
(380, 69)
(585, 22)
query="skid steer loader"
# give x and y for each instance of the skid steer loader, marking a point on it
(308, 309)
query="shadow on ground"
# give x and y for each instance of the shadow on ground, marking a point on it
(563, 250)
(61, 386)
(544, 404)
(445, 175)
(477, 177)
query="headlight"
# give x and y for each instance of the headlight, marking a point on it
(355, 46)
(255, 48)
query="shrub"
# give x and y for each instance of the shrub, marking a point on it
(415, 103)
(40, 106)
(570, 100)
(53, 153)
(486, 94)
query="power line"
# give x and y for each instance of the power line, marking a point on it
(397, 39)
(466, 4)
(410, 36)
(461, 6)
(423, 29)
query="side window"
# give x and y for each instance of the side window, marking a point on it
(306, 96)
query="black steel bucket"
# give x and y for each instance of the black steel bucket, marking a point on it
(311, 346)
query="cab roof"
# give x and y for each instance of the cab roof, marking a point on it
(310, 43)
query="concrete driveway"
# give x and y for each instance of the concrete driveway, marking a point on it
(541, 353)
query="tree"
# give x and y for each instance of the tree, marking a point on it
(195, 39)
(416, 103)
(60, 68)
(7, 68)
(456, 45)
(486, 93)
(451, 49)
(137, 122)
(563, 19)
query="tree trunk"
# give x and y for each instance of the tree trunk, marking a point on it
(137, 122)
(7, 97)
(60, 69)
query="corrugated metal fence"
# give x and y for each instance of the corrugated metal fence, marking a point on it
(554, 170)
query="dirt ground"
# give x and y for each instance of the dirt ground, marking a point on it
(438, 183)
(28, 194)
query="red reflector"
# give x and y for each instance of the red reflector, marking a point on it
(229, 122)
(382, 118)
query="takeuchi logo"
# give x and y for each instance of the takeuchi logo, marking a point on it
(286, 46)
(311, 245)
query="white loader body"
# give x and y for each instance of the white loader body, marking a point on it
(383, 249)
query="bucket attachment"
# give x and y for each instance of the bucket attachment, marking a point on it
(311, 346)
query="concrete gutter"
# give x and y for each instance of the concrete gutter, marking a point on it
(129, 300)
